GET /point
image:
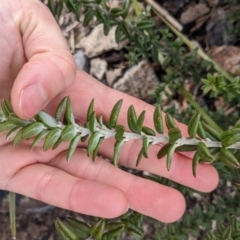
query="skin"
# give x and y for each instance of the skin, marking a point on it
(37, 71)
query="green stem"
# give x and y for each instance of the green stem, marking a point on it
(190, 44)
(136, 7)
(12, 213)
(204, 115)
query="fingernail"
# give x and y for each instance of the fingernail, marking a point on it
(32, 100)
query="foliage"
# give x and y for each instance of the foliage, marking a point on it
(178, 64)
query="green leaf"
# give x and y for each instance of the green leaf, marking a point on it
(163, 151)
(39, 137)
(92, 143)
(114, 114)
(148, 131)
(51, 138)
(18, 138)
(186, 148)
(201, 132)
(120, 130)
(33, 129)
(228, 158)
(146, 144)
(84, 138)
(227, 233)
(118, 34)
(90, 110)
(126, 7)
(57, 143)
(126, 30)
(133, 229)
(230, 137)
(100, 120)
(140, 122)
(6, 126)
(92, 122)
(72, 147)
(81, 229)
(88, 17)
(132, 119)
(68, 132)
(211, 131)
(139, 158)
(14, 119)
(69, 117)
(196, 159)
(59, 8)
(94, 228)
(11, 132)
(117, 147)
(170, 122)
(174, 134)
(61, 109)
(100, 16)
(100, 230)
(64, 231)
(106, 27)
(95, 151)
(47, 120)
(170, 153)
(157, 119)
(88, 1)
(193, 124)
(145, 24)
(204, 152)
(51, 6)
(116, 12)
(6, 107)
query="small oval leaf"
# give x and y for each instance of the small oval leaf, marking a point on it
(69, 132)
(140, 122)
(132, 119)
(157, 119)
(51, 138)
(73, 146)
(114, 114)
(61, 109)
(193, 124)
(33, 129)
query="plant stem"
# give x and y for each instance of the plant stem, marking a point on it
(204, 115)
(136, 7)
(12, 213)
(190, 44)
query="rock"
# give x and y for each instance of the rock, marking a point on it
(139, 81)
(98, 67)
(194, 12)
(218, 28)
(112, 75)
(97, 43)
(80, 59)
(228, 57)
(212, 3)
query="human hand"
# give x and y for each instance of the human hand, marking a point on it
(34, 55)
(98, 188)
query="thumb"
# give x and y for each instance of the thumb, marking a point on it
(50, 67)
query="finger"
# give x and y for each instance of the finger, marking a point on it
(58, 188)
(180, 171)
(50, 67)
(144, 196)
(207, 177)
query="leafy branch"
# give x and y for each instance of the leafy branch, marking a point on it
(54, 131)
